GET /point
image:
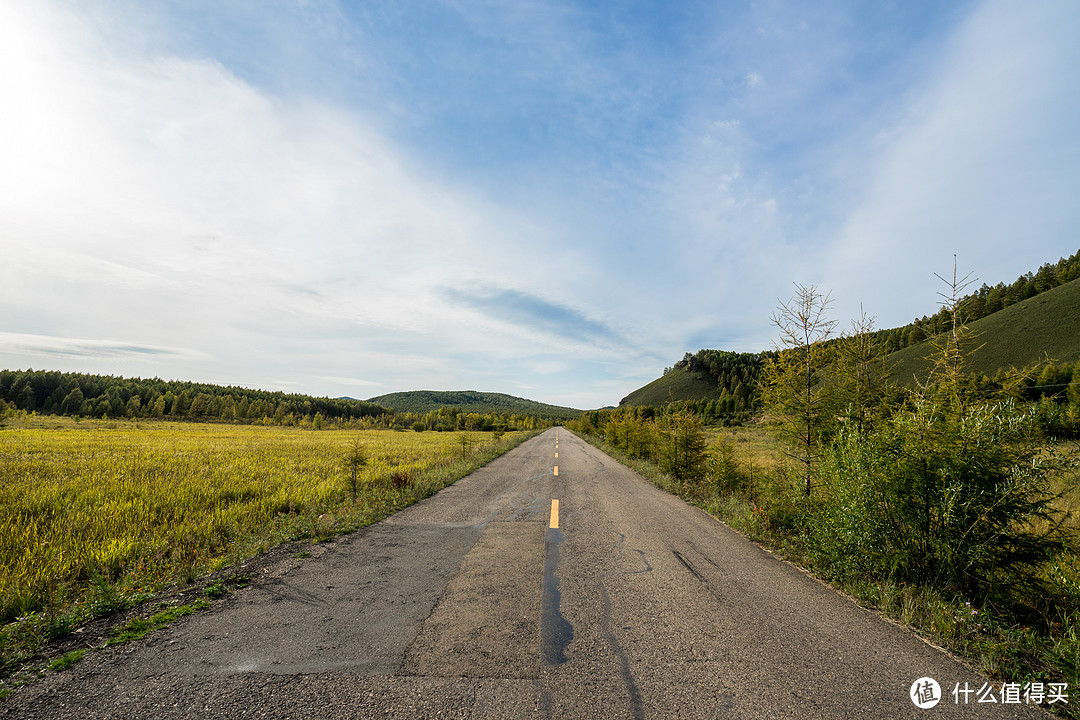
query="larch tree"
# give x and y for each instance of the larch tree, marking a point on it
(794, 391)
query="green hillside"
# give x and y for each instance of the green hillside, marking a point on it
(1046, 326)
(675, 385)
(422, 401)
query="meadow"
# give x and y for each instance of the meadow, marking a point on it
(98, 515)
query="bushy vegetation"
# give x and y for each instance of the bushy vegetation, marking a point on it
(955, 499)
(940, 503)
(672, 440)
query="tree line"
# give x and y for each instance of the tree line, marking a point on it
(1055, 387)
(447, 419)
(670, 437)
(986, 300)
(105, 396)
(84, 395)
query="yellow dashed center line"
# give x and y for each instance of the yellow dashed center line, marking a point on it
(556, 454)
(556, 471)
(554, 514)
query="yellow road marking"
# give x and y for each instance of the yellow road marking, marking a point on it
(554, 514)
(556, 471)
(556, 454)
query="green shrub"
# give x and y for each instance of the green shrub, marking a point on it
(722, 469)
(959, 502)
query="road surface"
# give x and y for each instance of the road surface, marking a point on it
(489, 600)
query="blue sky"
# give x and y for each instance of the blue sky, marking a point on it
(550, 199)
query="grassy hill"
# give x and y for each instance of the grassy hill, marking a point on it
(678, 384)
(1041, 327)
(422, 401)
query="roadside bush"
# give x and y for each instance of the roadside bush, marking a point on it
(682, 453)
(959, 502)
(722, 469)
(634, 435)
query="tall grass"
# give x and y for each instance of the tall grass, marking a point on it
(96, 515)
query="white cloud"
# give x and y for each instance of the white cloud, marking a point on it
(352, 382)
(163, 200)
(983, 166)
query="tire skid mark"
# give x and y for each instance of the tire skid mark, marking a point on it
(708, 559)
(686, 564)
(705, 581)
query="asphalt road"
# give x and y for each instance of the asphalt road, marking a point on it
(485, 602)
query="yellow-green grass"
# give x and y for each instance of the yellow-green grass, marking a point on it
(135, 507)
(757, 449)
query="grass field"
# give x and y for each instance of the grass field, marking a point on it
(96, 514)
(755, 446)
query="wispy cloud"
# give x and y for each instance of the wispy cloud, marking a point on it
(352, 382)
(46, 347)
(534, 314)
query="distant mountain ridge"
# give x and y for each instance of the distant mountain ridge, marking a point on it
(423, 401)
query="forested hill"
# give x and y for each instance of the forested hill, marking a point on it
(986, 301)
(717, 384)
(424, 401)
